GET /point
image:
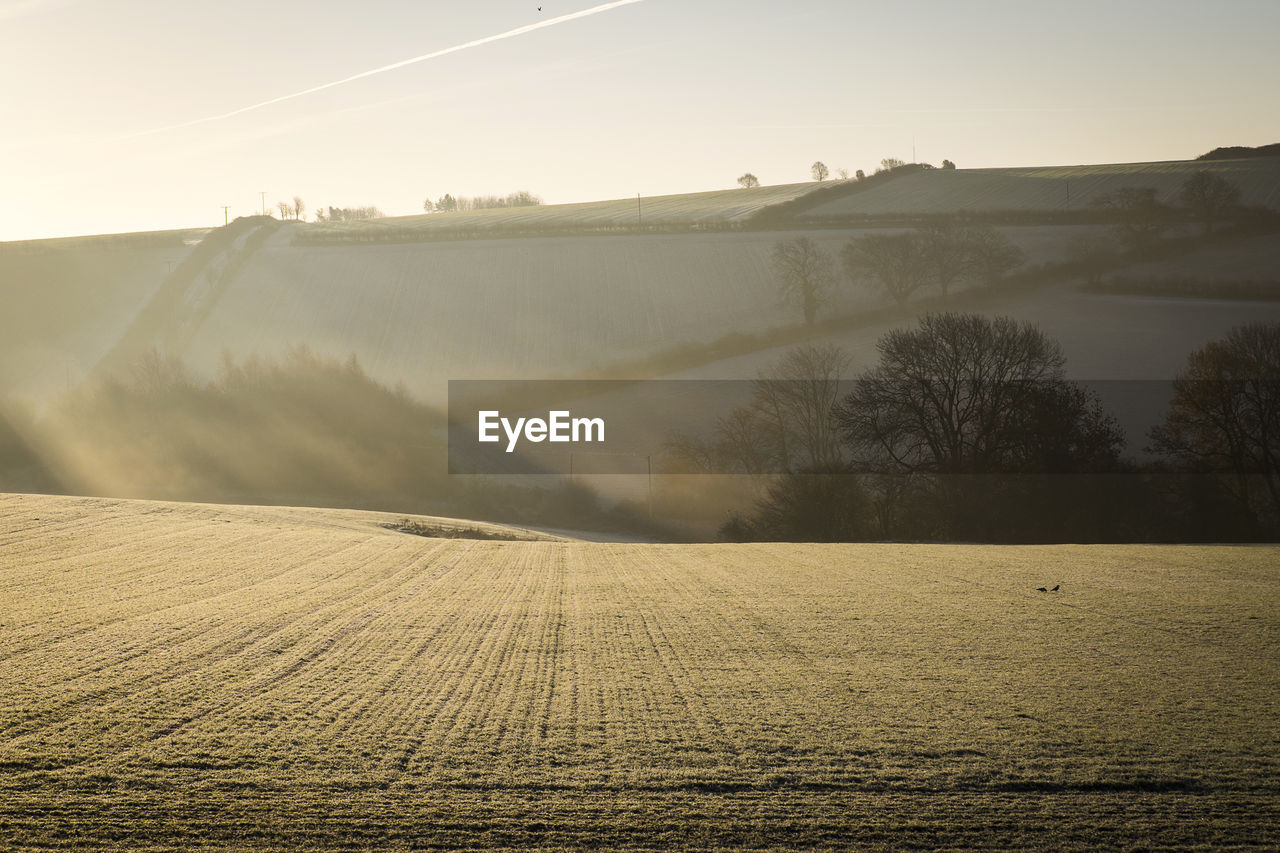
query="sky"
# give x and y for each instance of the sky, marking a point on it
(110, 109)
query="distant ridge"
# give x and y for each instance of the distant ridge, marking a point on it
(1237, 152)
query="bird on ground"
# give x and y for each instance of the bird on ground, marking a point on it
(1041, 589)
(1056, 588)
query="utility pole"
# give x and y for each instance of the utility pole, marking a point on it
(263, 193)
(226, 217)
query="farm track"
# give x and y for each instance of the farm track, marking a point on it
(245, 678)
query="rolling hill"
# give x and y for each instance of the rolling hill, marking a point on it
(714, 209)
(509, 293)
(1048, 188)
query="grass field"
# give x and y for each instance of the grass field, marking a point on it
(195, 677)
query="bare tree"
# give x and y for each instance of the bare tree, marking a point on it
(428, 206)
(299, 208)
(990, 254)
(1225, 415)
(888, 164)
(966, 393)
(285, 208)
(819, 170)
(896, 261)
(945, 253)
(1208, 196)
(1093, 253)
(786, 426)
(843, 174)
(1139, 217)
(799, 393)
(748, 180)
(805, 274)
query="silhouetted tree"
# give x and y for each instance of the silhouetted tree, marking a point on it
(963, 413)
(818, 170)
(860, 175)
(798, 396)
(1139, 217)
(843, 174)
(748, 180)
(989, 253)
(888, 164)
(299, 208)
(805, 274)
(897, 261)
(786, 426)
(1208, 196)
(447, 203)
(1093, 253)
(966, 393)
(947, 164)
(944, 253)
(1225, 417)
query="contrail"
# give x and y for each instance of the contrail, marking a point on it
(518, 31)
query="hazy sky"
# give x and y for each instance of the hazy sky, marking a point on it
(655, 97)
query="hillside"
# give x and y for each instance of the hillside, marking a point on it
(193, 676)
(67, 301)
(556, 290)
(1047, 188)
(423, 313)
(685, 211)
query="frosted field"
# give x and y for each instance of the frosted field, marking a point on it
(423, 313)
(1048, 187)
(1103, 336)
(519, 308)
(197, 677)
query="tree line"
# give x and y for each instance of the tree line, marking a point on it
(968, 429)
(819, 171)
(448, 203)
(943, 254)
